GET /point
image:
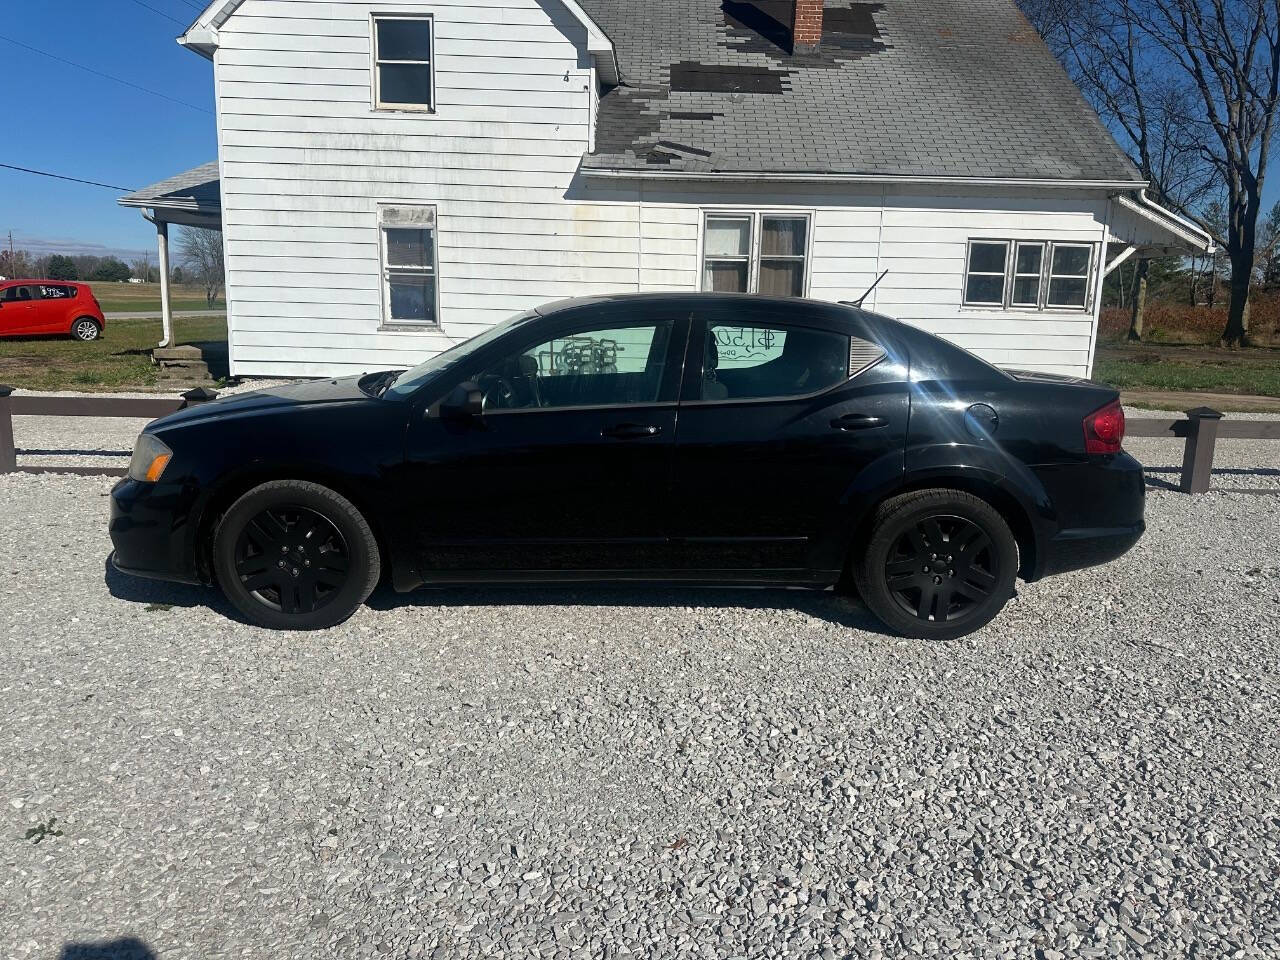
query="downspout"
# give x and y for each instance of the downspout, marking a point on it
(166, 311)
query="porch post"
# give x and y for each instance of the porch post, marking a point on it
(166, 312)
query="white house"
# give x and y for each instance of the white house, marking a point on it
(395, 175)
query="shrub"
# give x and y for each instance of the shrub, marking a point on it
(1167, 322)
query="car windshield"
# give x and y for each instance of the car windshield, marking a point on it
(409, 381)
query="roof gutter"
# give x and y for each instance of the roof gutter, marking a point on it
(627, 174)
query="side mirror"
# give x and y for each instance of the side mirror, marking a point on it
(465, 400)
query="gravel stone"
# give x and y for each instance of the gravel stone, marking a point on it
(569, 772)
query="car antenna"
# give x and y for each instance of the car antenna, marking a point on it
(863, 299)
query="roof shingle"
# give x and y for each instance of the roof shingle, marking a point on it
(929, 88)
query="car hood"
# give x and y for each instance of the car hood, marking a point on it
(309, 393)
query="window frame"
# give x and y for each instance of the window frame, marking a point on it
(1050, 276)
(756, 218)
(389, 218)
(1015, 276)
(1002, 303)
(1012, 245)
(376, 62)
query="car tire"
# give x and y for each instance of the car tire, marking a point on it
(295, 555)
(937, 564)
(86, 330)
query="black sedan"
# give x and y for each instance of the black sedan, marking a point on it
(701, 438)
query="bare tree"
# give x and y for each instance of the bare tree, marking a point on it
(200, 252)
(1193, 85)
(1116, 66)
(1229, 50)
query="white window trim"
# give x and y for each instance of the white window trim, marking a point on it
(1007, 302)
(375, 75)
(1013, 287)
(969, 272)
(408, 216)
(1051, 276)
(756, 217)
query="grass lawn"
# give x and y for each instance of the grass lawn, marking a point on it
(1188, 368)
(119, 360)
(145, 297)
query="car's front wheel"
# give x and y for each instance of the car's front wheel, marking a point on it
(938, 564)
(295, 555)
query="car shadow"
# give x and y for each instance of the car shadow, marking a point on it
(827, 605)
(836, 608)
(162, 594)
(125, 948)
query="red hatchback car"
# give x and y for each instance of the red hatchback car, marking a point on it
(31, 308)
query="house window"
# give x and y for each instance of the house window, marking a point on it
(985, 281)
(755, 253)
(402, 63)
(1069, 276)
(1040, 275)
(409, 293)
(727, 255)
(1028, 264)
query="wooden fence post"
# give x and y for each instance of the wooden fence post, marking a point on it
(1197, 456)
(8, 455)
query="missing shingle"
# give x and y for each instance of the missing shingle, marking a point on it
(688, 77)
(693, 115)
(663, 157)
(684, 148)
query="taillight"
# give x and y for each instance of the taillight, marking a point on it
(1104, 429)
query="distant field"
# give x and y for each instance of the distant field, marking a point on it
(120, 360)
(145, 297)
(1191, 368)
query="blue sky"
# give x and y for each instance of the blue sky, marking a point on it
(84, 126)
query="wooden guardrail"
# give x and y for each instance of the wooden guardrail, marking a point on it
(36, 406)
(1202, 428)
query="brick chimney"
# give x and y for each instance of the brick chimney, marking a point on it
(806, 26)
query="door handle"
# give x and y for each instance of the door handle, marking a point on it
(857, 421)
(631, 431)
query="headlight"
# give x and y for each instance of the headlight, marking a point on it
(150, 457)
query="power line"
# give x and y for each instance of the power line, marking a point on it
(105, 76)
(148, 6)
(58, 176)
(194, 6)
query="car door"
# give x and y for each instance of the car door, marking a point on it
(19, 313)
(784, 409)
(568, 467)
(51, 315)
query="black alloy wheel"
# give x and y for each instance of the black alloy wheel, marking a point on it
(942, 569)
(292, 559)
(295, 555)
(937, 564)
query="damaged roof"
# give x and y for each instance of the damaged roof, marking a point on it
(927, 88)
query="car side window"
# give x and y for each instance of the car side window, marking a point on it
(52, 292)
(742, 362)
(598, 366)
(23, 292)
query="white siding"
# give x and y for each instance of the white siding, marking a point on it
(305, 161)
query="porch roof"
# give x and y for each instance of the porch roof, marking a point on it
(192, 198)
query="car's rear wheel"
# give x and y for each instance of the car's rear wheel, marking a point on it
(86, 329)
(294, 555)
(938, 564)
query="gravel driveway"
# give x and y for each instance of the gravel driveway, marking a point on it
(594, 773)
